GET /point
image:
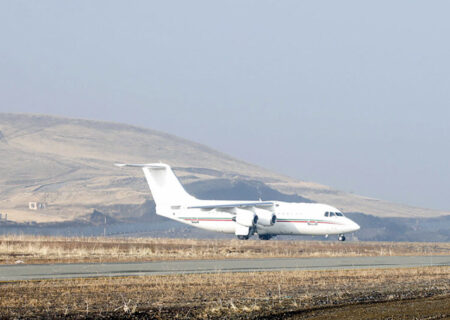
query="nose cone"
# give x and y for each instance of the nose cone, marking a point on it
(354, 226)
(350, 226)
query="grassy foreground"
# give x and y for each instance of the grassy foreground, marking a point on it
(40, 249)
(353, 294)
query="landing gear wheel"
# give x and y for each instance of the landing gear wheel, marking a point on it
(264, 236)
(341, 237)
(242, 237)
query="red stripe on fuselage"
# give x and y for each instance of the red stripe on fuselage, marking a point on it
(312, 222)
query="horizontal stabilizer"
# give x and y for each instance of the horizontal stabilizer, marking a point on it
(143, 165)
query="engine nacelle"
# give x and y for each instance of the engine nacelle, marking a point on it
(246, 218)
(265, 217)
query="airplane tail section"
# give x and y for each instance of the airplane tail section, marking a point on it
(164, 185)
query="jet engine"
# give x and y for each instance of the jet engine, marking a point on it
(246, 218)
(265, 217)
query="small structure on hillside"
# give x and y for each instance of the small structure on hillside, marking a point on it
(36, 205)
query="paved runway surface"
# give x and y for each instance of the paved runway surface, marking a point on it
(60, 271)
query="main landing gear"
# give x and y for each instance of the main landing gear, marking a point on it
(341, 237)
(261, 237)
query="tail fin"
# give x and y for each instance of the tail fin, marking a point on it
(164, 185)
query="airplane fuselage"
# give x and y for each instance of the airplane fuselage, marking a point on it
(291, 219)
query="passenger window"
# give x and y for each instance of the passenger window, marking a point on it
(326, 214)
(332, 214)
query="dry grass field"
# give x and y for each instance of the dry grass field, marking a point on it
(412, 293)
(40, 249)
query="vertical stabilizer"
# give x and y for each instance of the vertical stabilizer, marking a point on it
(164, 185)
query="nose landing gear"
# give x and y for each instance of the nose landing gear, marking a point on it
(341, 237)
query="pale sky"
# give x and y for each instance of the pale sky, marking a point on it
(351, 94)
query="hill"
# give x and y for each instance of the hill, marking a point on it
(66, 164)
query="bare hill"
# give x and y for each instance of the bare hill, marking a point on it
(66, 164)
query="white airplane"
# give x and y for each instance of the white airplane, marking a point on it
(243, 218)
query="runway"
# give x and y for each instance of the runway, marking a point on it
(63, 271)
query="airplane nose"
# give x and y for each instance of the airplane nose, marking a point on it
(351, 225)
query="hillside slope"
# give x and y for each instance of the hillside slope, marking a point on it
(67, 164)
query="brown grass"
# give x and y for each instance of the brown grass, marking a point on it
(219, 295)
(40, 249)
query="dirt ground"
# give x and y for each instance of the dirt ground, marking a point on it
(435, 307)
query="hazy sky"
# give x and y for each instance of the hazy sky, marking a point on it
(352, 94)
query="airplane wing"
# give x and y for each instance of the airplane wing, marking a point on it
(235, 205)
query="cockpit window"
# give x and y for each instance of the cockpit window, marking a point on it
(333, 214)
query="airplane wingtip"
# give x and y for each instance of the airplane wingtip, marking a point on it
(120, 165)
